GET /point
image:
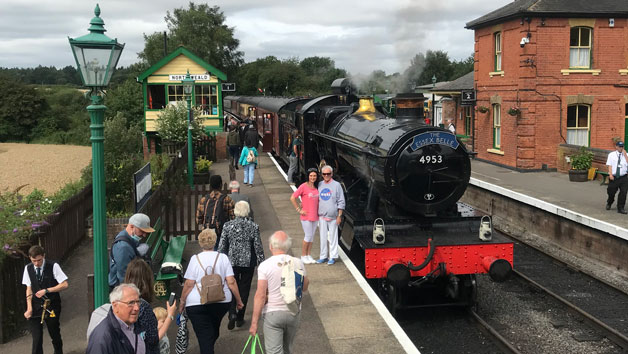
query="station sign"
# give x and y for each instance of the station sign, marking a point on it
(195, 77)
(468, 98)
(228, 86)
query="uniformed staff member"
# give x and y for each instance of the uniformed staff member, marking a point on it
(617, 165)
(44, 280)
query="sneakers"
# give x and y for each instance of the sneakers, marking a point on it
(322, 260)
(310, 259)
(307, 260)
(232, 321)
(251, 185)
(331, 261)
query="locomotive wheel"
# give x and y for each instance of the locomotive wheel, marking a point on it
(469, 290)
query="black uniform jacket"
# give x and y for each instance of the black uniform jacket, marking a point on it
(108, 338)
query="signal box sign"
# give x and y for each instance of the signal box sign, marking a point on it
(468, 98)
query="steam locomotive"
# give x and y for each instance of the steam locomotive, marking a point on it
(403, 227)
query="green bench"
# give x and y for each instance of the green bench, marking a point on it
(603, 174)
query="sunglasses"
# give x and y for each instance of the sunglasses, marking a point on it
(326, 174)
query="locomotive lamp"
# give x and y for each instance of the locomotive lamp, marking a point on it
(188, 88)
(96, 58)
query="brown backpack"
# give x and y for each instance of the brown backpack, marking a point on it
(211, 284)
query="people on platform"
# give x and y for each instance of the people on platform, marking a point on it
(215, 208)
(308, 211)
(251, 137)
(248, 160)
(450, 126)
(116, 333)
(233, 144)
(295, 155)
(139, 273)
(331, 205)
(617, 164)
(241, 241)
(162, 316)
(206, 318)
(126, 246)
(237, 196)
(44, 280)
(280, 324)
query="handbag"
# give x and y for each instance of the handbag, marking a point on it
(181, 345)
(257, 341)
(211, 289)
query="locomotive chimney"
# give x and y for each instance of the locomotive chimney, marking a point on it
(409, 106)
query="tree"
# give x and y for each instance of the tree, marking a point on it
(201, 29)
(126, 99)
(462, 67)
(20, 108)
(437, 64)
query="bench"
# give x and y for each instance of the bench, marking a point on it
(603, 174)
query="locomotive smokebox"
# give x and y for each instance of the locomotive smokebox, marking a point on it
(410, 106)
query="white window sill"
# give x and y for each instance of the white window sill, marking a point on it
(495, 151)
(593, 72)
(496, 73)
(623, 71)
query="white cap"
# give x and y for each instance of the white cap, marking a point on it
(141, 221)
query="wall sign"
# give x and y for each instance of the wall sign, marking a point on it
(201, 77)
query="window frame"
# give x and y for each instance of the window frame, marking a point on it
(578, 128)
(497, 126)
(212, 92)
(580, 47)
(176, 94)
(497, 51)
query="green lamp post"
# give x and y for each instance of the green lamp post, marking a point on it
(188, 88)
(433, 103)
(96, 57)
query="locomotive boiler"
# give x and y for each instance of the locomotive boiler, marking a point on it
(404, 228)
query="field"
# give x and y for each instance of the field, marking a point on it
(45, 167)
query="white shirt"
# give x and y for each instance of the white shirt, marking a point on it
(270, 270)
(60, 277)
(452, 128)
(615, 157)
(195, 272)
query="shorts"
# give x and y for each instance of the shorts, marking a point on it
(309, 228)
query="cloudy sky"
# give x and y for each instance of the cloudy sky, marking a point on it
(360, 35)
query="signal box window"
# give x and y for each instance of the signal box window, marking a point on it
(206, 99)
(175, 93)
(580, 48)
(578, 119)
(156, 96)
(497, 126)
(498, 51)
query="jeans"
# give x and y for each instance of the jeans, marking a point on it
(243, 277)
(293, 167)
(37, 330)
(249, 173)
(280, 327)
(206, 322)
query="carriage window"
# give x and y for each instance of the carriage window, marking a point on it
(580, 48)
(156, 96)
(578, 125)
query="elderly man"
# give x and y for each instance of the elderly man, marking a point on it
(236, 196)
(44, 280)
(125, 247)
(115, 335)
(280, 324)
(331, 204)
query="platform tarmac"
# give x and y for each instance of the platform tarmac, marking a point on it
(337, 315)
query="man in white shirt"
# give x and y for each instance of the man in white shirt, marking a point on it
(450, 126)
(280, 324)
(617, 164)
(44, 280)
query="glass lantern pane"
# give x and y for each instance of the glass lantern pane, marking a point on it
(94, 65)
(115, 56)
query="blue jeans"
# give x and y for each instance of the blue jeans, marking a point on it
(249, 173)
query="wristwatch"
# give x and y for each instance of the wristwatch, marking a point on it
(47, 291)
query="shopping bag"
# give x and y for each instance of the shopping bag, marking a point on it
(181, 346)
(256, 343)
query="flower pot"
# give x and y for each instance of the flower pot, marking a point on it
(201, 178)
(578, 175)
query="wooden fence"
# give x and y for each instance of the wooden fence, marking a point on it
(65, 229)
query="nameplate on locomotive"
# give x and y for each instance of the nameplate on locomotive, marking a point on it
(433, 138)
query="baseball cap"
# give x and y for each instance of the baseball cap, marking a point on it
(620, 144)
(141, 221)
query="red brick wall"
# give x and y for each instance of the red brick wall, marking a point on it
(533, 82)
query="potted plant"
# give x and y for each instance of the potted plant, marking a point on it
(201, 170)
(482, 109)
(580, 165)
(514, 111)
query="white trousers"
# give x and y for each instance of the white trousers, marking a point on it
(329, 232)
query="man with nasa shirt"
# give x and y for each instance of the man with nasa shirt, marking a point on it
(331, 205)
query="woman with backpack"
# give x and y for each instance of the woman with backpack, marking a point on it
(248, 160)
(204, 303)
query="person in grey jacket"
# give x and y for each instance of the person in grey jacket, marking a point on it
(237, 196)
(125, 247)
(331, 205)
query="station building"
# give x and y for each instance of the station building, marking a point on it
(161, 85)
(550, 76)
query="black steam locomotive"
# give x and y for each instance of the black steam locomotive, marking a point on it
(403, 228)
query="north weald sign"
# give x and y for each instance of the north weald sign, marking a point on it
(467, 98)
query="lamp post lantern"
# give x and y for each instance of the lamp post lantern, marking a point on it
(433, 103)
(96, 57)
(188, 89)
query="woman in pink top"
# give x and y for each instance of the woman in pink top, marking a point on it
(308, 211)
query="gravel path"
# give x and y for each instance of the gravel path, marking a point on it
(45, 167)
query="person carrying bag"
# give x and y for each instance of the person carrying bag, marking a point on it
(257, 342)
